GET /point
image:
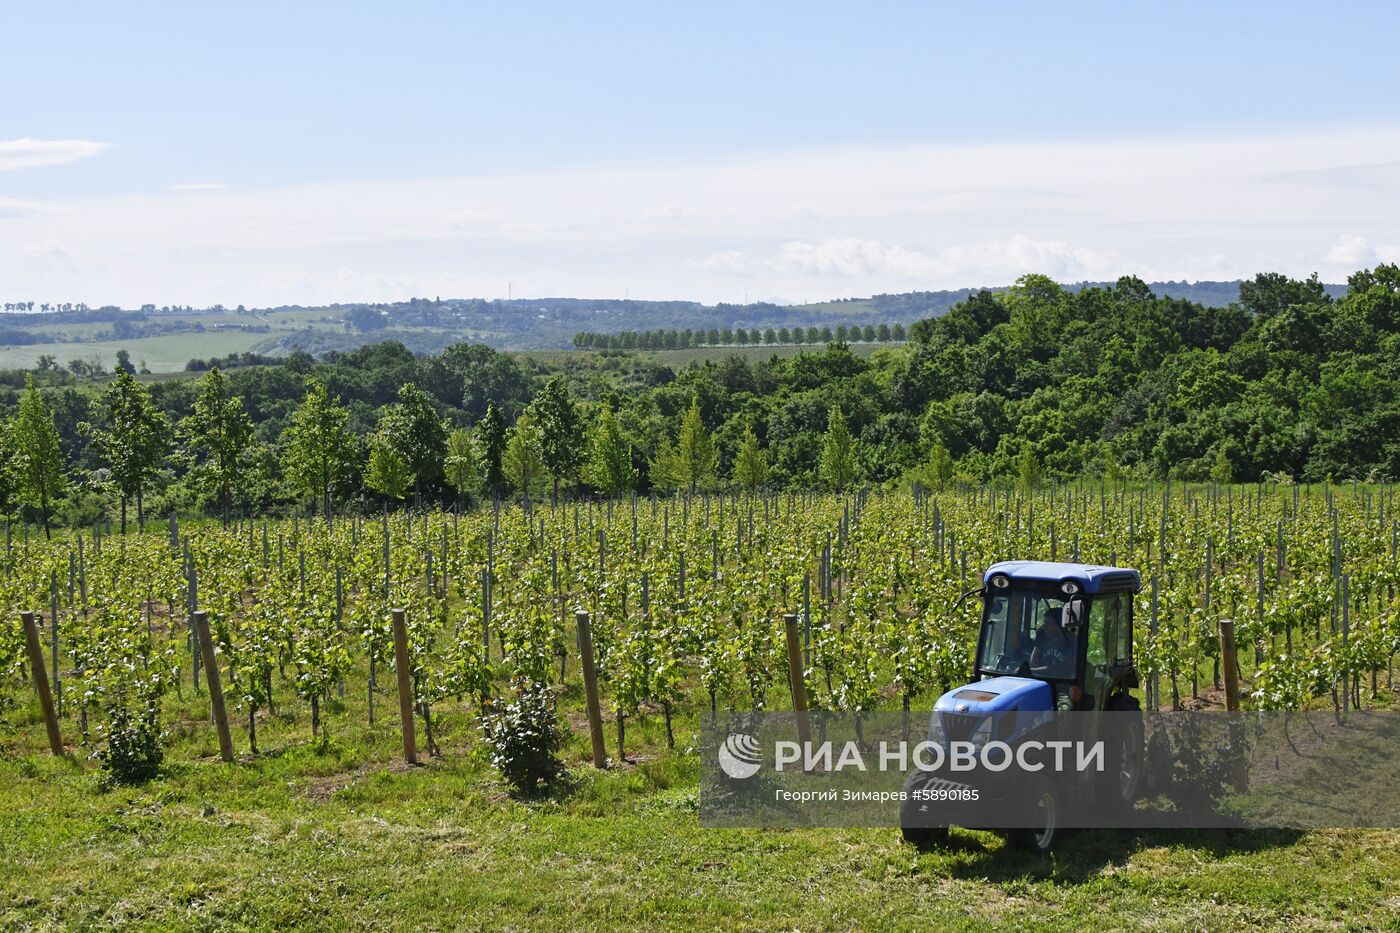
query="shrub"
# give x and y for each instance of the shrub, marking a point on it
(134, 749)
(524, 734)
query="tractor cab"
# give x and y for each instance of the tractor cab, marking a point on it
(1053, 636)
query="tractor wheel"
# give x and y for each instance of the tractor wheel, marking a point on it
(917, 821)
(1126, 783)
(924, 838)
(1044, 831)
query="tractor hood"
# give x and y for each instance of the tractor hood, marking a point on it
(997, 695)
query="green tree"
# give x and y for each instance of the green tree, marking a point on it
(132, 440)
(1028, 467)
(9, 471)
(387, 472)
(609, 467)
(319, 447)
(219, 434)
(751, 463)
(1222, 470)
(838, 461)
(462, 466)
(937, 468)
(492, 432)
(41, 467)
(413, 427)
(524, 463)
(561, 432)
(691, 462)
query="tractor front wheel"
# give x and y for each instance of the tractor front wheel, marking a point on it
(918, 821)
(1044, 831)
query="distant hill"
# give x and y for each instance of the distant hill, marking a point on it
(164, 338)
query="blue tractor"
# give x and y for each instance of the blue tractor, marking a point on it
(1054, 637)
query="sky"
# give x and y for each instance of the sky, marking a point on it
(308, 153)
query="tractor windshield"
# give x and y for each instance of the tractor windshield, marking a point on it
(1030, 633)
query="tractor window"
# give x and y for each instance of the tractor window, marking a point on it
(1027, 633)
(1108, 631)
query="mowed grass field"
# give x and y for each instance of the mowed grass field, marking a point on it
(165, 353)
(341, 834)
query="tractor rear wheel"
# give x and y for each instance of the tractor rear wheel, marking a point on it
(1126, 784)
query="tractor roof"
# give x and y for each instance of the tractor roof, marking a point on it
(1093, 578)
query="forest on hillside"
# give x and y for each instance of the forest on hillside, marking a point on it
(1035, 384)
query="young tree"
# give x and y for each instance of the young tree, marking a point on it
(751, 463)
(413, 427)
(387, 472)
(609, 467)
(132, 440)
(493, 449)
(692, 461)
(1028, 468)
(938, 468)
(560, 432)
(219, 434)
(461, 466)
(9, 471)
(319, 447)
(35, 440)
(838, 461)
(524, 464)
(1222, 470)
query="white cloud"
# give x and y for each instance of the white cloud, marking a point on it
(29, 153)
(1351, 251)
(993, 261)
(199, 186)
(802, 224)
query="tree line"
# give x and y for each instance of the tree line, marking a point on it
(662, 339)
(1032, 384)
(553, 444)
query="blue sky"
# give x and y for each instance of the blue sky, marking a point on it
(260, 153)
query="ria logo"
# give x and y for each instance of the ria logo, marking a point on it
(739, 756)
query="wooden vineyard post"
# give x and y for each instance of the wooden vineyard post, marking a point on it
(216, 690)
(1228, 663)
(796, 680)
(41, 681)
(590, 688)
(1228, 659)
(410, 741)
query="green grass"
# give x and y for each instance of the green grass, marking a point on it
(166, 353)
(344, 835)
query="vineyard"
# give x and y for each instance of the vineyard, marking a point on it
(687, 598)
